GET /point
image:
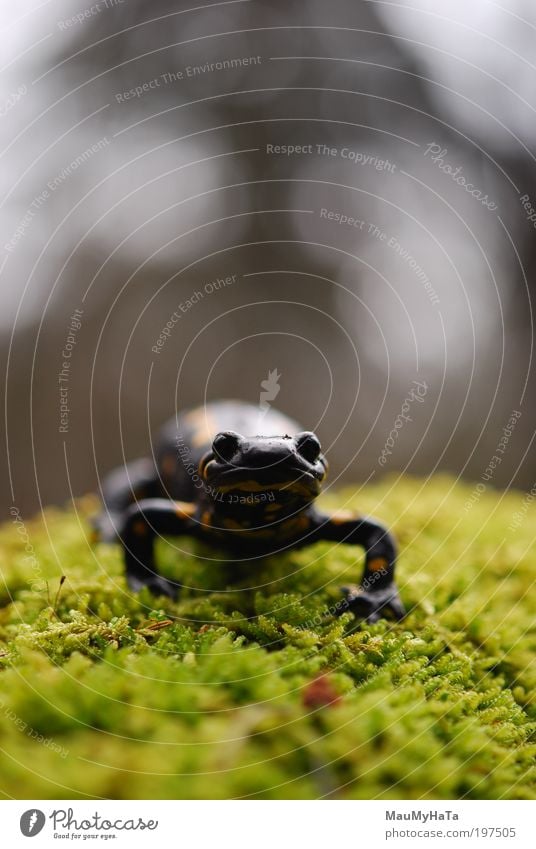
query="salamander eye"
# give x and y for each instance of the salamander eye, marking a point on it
(225, 444)
(308, 446)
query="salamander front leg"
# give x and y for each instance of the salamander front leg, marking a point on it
(120, 489)
(377, 594)
(144, 521)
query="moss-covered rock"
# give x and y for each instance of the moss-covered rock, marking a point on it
(249, 687)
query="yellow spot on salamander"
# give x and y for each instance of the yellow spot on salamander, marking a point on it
(203, 465)
(342, 516)
(169, 465)
(204, 426)
(377, 564)
(184, 510)
(248, 486)
(232, 524)
(293, 527)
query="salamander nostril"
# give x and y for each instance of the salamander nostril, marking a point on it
(225, 444)
(308, 446)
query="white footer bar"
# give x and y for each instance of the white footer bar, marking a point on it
(269, 824)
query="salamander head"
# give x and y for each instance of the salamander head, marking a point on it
(291, 467)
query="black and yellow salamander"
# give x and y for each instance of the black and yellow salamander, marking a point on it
(245, 479)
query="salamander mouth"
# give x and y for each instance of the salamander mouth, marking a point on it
(244, 479)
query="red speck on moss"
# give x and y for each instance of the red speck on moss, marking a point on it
(320, 693)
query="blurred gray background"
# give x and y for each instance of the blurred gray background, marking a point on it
(140, 164)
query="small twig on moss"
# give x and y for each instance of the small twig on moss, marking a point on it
(55, 606)
(155, 625)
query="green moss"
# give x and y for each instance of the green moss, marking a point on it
(247, 687)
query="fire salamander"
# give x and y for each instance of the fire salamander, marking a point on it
(246, 480)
